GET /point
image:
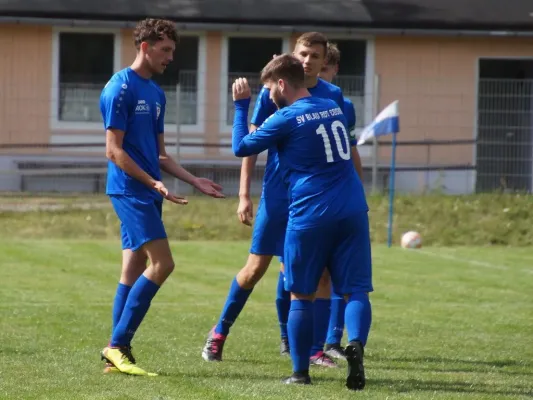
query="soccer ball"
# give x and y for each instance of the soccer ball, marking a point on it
(411, 240)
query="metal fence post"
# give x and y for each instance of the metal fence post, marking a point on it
(375, 153)
(178, 132)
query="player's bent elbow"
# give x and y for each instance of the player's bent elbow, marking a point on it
(240, 152)
(111, 154)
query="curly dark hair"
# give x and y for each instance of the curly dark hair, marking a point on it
(152, 30)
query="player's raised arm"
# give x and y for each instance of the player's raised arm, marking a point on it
(267, 135)
(245, 210)
(247, 169)
(264, 107)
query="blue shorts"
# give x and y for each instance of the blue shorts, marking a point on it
(342, 246)
(268, 236)
(140, 220)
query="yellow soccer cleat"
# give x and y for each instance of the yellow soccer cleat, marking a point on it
(121, 359)
(110, 368)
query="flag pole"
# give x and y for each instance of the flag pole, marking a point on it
(387, 122)
(391, 189)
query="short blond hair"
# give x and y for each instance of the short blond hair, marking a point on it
(312, 38)
(333, 55)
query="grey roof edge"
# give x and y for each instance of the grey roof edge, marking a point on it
(445, 27)
(282, 27)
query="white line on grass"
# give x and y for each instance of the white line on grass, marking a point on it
(477, 263)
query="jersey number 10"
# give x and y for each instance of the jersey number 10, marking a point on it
(335, 127)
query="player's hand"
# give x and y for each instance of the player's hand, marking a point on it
(241, 89)
(245, 212)
(208, 187)
(160, 187)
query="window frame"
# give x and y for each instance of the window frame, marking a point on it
(224, 128)
(118, 64)
(201, 73)
(55, 122)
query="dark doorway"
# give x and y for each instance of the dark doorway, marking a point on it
(505, 125)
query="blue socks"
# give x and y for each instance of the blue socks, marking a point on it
(136, 307)
(358, 317)
(299, 325)
(120, 301)
(336, 320)
(235, 302)
(283, 304)
(320, 324)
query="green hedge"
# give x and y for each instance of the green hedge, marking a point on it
(488, 219)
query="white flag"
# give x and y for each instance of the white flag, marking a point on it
(387, 121)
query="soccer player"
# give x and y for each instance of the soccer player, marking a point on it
(328, 213)
(271, 221)
(133, 110)
(336, 322)
(327, 332)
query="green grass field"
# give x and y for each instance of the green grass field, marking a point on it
(448, 323)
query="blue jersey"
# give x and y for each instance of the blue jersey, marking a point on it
(136, 106)
(264, 108)
(351, 119)
(314, 159)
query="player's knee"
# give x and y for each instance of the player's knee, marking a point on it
(169, 266)
(130, 274)
(164, 267)
(133, 265)
(253, 271)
